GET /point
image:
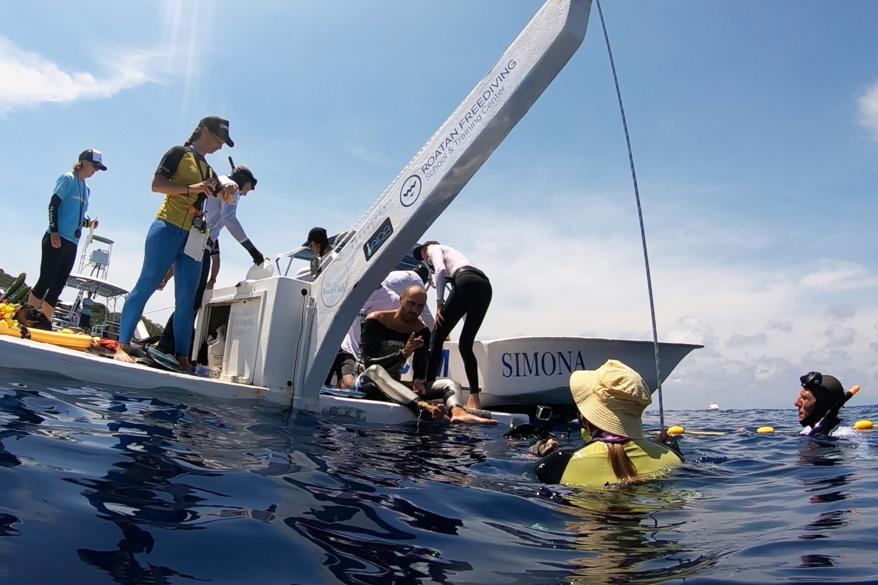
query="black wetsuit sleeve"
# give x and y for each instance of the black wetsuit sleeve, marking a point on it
(170, 161)
(54, 206)
(551, 468)
(419, 360)
(370, 341)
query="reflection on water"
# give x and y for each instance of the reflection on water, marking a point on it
(106, 485)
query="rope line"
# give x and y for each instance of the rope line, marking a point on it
(640, 218)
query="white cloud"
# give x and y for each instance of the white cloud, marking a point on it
(869, 110)
(740, 340)
(840, 276)
(29, 79)
(579, 268)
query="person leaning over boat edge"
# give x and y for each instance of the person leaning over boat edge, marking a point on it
(610, 401)
(219, 211)
(389, 338)
(177, 236)
(66, 219)
(469, 300)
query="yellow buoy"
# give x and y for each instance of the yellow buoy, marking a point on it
(765, 430)
(863, 425)
(676, 430)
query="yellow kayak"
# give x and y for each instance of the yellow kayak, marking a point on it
(64, 338)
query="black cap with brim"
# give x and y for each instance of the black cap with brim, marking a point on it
(416, 251)
(318, 236)
(242, 175)
(219, 126)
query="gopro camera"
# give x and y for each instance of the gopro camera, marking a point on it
(198, 223)
(544, 413)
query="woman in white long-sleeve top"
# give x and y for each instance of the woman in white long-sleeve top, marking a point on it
(469, 300)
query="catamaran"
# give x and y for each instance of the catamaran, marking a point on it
(282, 332)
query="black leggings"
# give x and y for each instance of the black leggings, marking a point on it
(55, 267)
(470, 296)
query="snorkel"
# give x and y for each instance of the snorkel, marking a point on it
(830, 419)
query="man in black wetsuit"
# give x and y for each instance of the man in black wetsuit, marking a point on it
(819, 401)
(389, 338)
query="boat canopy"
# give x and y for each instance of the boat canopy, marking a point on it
(97, 286)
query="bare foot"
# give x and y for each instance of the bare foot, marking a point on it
(473, 402)
(437, 412)
(459, 416)
(122, 354)
(185, 364)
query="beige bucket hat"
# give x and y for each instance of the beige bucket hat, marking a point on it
(612, 398)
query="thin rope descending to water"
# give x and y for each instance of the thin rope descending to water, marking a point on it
(658, 376)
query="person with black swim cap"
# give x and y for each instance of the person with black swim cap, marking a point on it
(818, 402)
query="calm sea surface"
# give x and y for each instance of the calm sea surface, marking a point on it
(103, 485)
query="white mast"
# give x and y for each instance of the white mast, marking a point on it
(433, 179)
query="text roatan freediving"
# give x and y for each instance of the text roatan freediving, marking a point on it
(482, 105)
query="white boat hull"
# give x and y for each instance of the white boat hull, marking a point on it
(519, 373)
(41, 361)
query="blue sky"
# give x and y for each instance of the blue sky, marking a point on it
(754, 125)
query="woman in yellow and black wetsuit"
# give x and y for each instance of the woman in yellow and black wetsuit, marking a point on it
(611, 401)
(186, 179)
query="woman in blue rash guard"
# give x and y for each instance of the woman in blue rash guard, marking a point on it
(178, 236)
(66, 219)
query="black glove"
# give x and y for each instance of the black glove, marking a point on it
(257, 256)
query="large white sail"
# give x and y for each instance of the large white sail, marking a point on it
(433, 178)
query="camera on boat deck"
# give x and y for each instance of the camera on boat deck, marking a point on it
(543, 413)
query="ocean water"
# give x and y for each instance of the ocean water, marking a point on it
(107, 485)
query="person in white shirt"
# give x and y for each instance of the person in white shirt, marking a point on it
(469, 300)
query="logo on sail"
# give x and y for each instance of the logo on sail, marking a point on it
(377, 239)
(410, 191)
(335, 283)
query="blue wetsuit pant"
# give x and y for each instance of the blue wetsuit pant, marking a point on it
(168, 341)
(164, 247)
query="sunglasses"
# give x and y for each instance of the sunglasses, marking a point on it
(811, 380)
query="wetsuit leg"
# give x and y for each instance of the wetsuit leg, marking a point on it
(454, 310)
(48, 267)
(167, 341)
(187, 272)
(163, 242)
(479, 293)
(446, 389)
(394, 390)
(55, 267)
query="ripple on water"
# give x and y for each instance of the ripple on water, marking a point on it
(107, 485)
